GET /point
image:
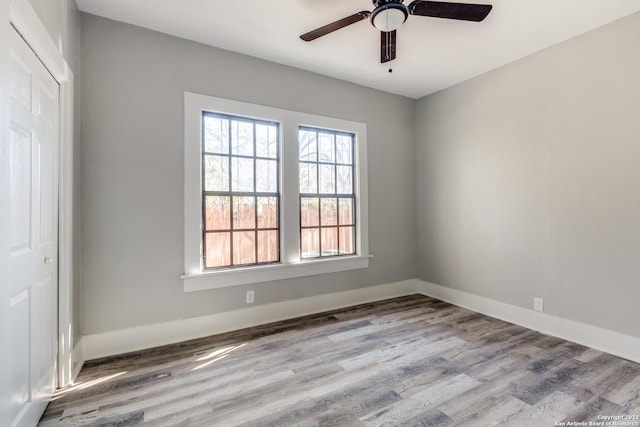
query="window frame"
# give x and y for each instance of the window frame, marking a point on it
(319, 194)
(291, 264)
(233, 193)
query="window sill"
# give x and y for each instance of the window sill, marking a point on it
(265, 273)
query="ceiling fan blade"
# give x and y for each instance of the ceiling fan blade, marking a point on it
(329, 28)
(387, 46)
(462, 11)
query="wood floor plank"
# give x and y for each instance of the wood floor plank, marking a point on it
(502, 413)
(591, 409)
(420, 401)
(412, 361)
(627, 394)
(401, 354)
(546, 412)
(344, 406)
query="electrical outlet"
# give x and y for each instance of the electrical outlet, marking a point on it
(538, 304)
(250, 297)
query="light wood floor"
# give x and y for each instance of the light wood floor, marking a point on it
(412, 361)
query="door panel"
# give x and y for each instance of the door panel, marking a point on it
(20, 189)
(20, 322)
(46, 193)
(44, 362)
(33, 263)
(20, 86)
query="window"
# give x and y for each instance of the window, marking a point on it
(240, 191)
(270, 194)
(327, 198)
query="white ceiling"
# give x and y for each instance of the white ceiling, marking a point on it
(432, 53)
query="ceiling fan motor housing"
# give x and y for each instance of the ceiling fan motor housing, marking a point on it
(389, 15)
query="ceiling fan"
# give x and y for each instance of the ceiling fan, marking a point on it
(389, 15)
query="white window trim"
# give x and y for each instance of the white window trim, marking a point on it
(195, 278)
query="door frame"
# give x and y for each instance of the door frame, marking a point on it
(25, 20)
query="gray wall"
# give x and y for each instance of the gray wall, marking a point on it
(133, 82)
(61, 18)
(529, 181)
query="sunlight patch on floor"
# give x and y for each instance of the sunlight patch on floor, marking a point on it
(217, 355)
(84, 385)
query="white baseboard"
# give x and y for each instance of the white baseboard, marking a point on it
(143, 337)
(595, 337)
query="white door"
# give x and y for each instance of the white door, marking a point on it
(33, 265)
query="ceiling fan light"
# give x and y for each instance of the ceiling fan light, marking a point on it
(389, 17)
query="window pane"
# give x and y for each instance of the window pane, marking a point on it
(308, 145)
(266, 140)
(267, 246)
(242, 174)
(345, 212)
(327, 179)
(309, 212)
(216, 134)
(328, 211)
(217, 250)
(242, 138)
(329, 242)
(344, 148)
(267, 212)
(266, 176)
(244, 247)
(244, 213)
(310, 243)
(308, 178)
(345, 180)
(217, 213)
(326, 143)
(347, 239)
(216, 173)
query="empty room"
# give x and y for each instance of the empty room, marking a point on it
(320, 213)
